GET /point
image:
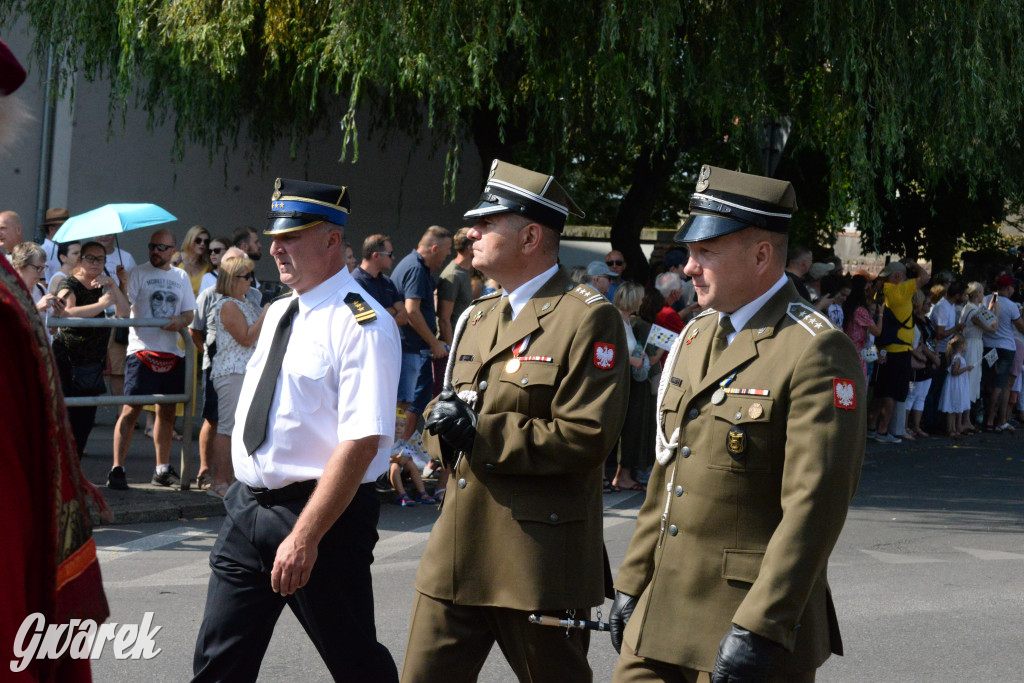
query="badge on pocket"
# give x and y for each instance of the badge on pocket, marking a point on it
(736, 443)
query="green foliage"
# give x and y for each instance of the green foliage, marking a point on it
(884, 95)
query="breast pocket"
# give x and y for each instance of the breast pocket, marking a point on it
(464, 375)
(669, 409)
(742, 434)
(534, 388)
(304, 375)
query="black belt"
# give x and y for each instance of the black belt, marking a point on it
(298, 490)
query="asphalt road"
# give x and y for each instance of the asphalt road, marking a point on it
(928, 576)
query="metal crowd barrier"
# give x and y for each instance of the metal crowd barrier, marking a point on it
(145, 399)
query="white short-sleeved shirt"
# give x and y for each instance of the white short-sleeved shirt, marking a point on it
(1002, 338)
(52, 262)
(338, 382)
(156, 293)
(944, 314)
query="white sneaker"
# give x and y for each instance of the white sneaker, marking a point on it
(872, 434)
(887, 438)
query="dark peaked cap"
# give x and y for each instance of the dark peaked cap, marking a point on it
(299, 204)
(512, 189)
(727, 201)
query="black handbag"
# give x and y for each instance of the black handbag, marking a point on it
(87, 380)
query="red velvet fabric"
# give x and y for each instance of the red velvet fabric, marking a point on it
(49, 560)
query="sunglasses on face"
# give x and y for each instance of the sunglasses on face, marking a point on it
(94, 259)
(202, 240)
(615, 263)
(248, 276)
(217, 250)
(160, 247)
(386, 253)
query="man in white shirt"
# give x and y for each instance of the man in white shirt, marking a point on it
(155, 364)
(119, 266)
(313, 430)
(54, 219)
(996, 378)
(10, 232)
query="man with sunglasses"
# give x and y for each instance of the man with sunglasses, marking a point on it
(378, 257)
(616, 263)
(155, 364)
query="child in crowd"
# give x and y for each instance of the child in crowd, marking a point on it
(401, 461)
(955, 400)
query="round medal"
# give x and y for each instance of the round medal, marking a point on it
(512, 366)
(755, 411)
(718, 396)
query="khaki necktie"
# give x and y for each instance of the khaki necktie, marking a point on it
(720, 342)
(505, 317)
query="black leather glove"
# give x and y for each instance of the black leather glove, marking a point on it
(743, 657)
(454, 421)
(622, 610)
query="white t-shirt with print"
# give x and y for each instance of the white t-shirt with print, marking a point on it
(156, 293)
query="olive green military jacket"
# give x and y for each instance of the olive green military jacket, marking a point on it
(738, 526)
(522, 522)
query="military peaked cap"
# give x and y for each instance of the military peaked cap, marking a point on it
(298, 204)
(512, 189)
(727, 201)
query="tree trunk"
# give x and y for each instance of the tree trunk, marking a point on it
(487, 134)
(651, 172)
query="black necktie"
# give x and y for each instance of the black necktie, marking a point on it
(259, 410)
(720, 342)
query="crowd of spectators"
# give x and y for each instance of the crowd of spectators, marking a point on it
(939, 360)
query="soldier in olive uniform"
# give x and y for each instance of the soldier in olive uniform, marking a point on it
(761, 412)
(535, 399)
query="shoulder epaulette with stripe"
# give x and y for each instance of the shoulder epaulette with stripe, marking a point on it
(809, 318)
(360, 309)
(587, 294)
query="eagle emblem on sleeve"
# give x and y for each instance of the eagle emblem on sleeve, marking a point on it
(604, 355)
(844, 394)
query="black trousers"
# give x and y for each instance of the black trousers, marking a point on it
(81, 419)
(335, 607)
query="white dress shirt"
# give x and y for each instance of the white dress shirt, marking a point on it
(338, 382)
(742, 315)
(524, 292)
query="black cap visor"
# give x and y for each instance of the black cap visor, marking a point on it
(291, 221)
(704, 226)
(492, 203)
